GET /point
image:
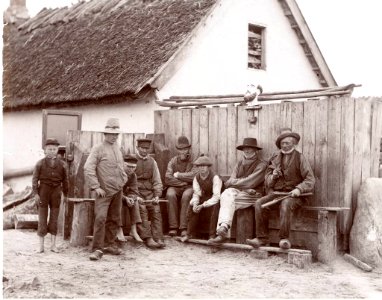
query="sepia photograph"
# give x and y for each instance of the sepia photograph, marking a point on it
(191, 149)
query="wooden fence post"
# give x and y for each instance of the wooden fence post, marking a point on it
(83, 215)
(327, 236)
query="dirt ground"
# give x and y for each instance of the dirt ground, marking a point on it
(178, 271)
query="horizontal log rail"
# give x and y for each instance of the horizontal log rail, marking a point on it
(15, 173)
(184, 101)
(333, 89)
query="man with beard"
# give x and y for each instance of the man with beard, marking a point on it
(289, 172)
(246, 180)
(150, 189)
(179, 176)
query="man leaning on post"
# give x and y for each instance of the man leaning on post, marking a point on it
(105, 175)
(289, 173)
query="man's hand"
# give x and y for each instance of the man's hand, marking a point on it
(230, 182)
(277, 173)
(176, 174)
(65, 199)
(37, 200)
(197, 208)
(155, 200)
(129, 201)
(100, 192)
(140, 200)
(295, 193)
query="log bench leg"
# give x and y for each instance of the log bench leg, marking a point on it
(82, 226)
(327, 236)
(244, 225)
(300, 260)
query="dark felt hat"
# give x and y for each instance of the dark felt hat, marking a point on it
(286, 132)
(51, 141)
(249, 142)
(203, 161)
(144, 143)
(182, 143)
(130, 159)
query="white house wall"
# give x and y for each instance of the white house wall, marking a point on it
(217, 60)
(22, 131)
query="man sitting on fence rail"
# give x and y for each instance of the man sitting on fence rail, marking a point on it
(104, 171)
(179, 176)
(150, 189)
(246, 180)
(206, 195)
(130, 194)
(288, 175)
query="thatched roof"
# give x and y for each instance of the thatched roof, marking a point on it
(93, 50)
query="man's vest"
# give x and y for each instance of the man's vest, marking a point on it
(52, 175)
(206, 186)
(291, 174)
(247, 168)
(144, 172)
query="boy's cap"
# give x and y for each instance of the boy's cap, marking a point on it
(130, 159)
(144, 143)
(51, 141)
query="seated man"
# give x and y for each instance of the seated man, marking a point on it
(150, 189)
(179, 176)
(288, 171)
(206, 194)
(247, 179)
(130, 194)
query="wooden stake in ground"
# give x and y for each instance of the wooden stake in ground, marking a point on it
(356, 262)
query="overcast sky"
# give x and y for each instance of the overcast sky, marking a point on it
(348, 33)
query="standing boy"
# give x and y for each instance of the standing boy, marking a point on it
(49, 180)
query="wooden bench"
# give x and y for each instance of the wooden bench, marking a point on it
(317, 232)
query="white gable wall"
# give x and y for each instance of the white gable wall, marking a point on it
(22, 131)
(217, 59)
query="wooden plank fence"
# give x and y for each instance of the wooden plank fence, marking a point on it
(340, 137)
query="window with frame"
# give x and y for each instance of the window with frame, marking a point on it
(56, 123)
(256, 47)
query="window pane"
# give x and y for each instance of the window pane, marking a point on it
(58, 125)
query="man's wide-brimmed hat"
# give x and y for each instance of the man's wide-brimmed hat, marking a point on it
(284, 133)
(51, 141)
(182, 143)
(249, 142)
(144, 143)
(203, 161)
(130, 159)
(112, 126)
